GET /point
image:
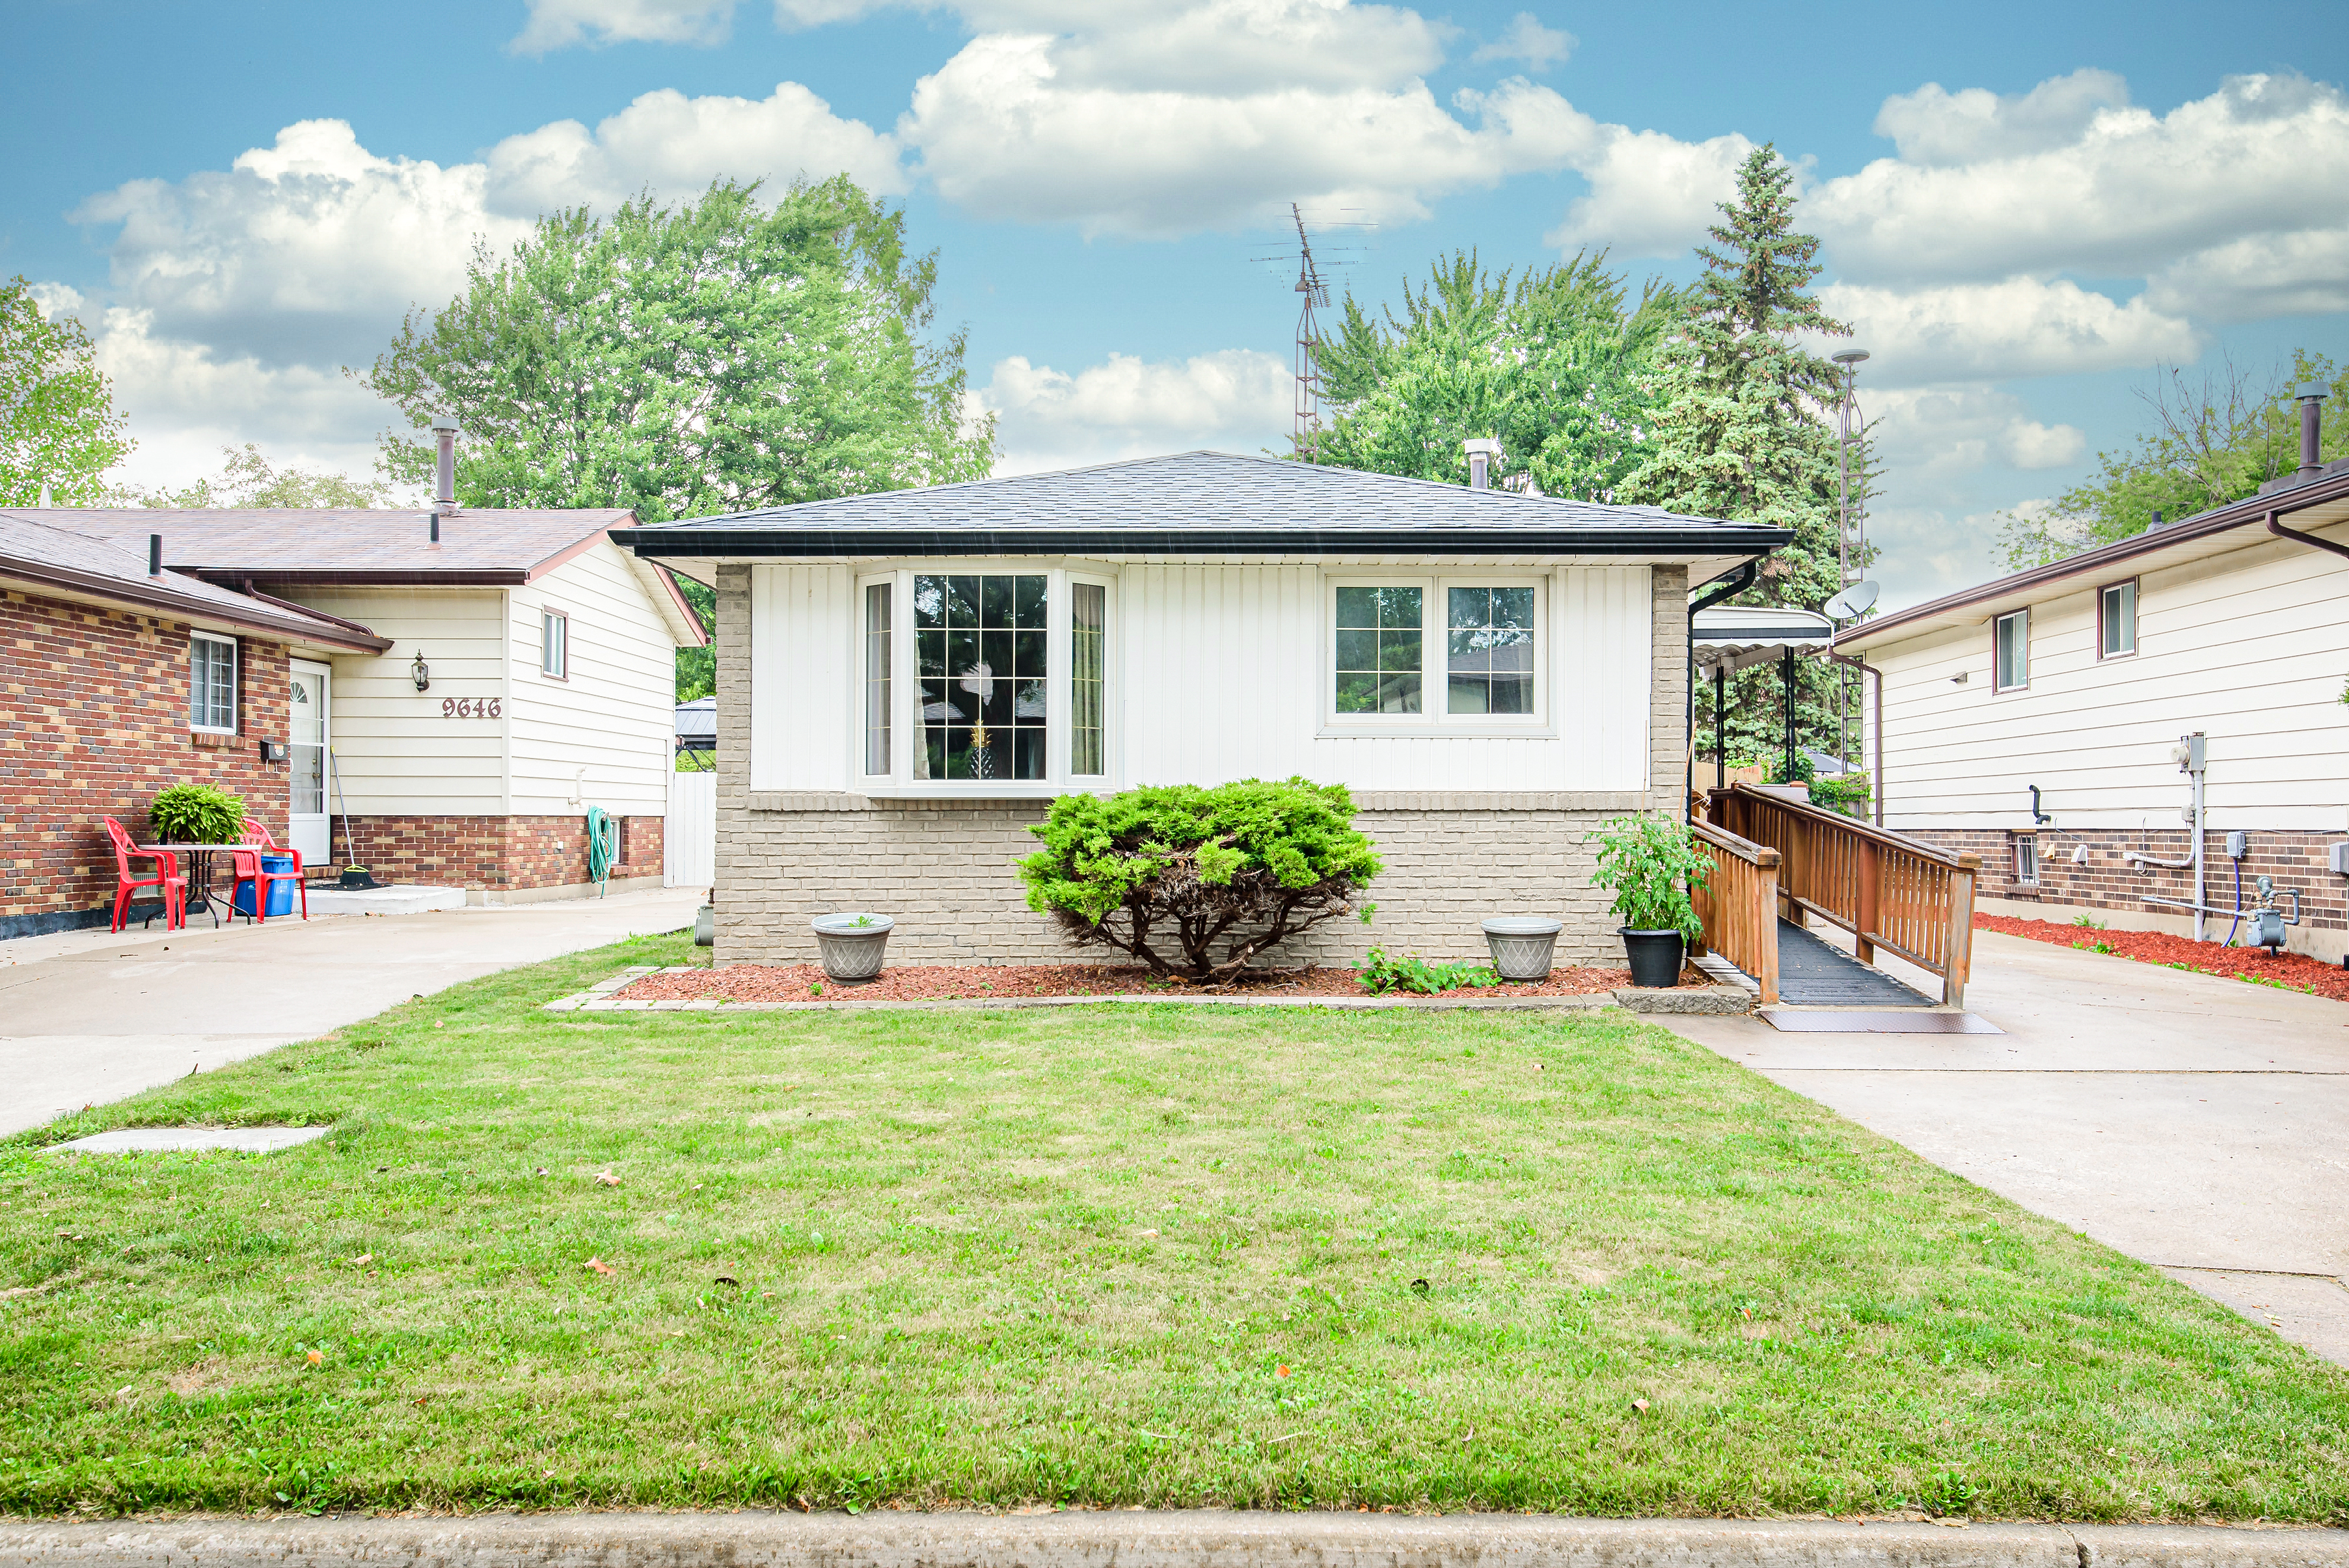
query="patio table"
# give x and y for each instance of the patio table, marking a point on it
(197, 861)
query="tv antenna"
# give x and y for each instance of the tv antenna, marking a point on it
(1313, 289)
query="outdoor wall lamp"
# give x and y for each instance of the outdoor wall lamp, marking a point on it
(421, 671)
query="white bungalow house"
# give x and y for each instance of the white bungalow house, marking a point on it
(2067, 722)
(905, 679)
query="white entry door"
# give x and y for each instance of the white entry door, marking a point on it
(307, 738)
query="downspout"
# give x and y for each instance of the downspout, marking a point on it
(1738, 582)
(2312, 467)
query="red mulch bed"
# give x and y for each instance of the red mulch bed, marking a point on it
(930, 981)
(2293, 971)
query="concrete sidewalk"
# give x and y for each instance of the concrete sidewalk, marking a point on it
(2194, 1122)
(1144, 1539)
(91, 1017)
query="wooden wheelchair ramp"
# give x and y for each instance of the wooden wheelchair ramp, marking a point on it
(1814, 973)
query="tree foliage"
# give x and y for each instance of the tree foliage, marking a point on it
(716, 355)
(1553, 362)
(59, 430)
(249, 480)
(1744, 428)
(1224, 875)
(2213, 440)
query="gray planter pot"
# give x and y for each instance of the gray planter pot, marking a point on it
(705, 926)
(852, 952)
(1522, 945)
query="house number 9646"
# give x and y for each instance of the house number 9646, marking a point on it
(469, 707)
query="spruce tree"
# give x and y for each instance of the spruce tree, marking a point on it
(1746, 431)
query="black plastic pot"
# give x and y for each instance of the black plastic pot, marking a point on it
(1655, 957)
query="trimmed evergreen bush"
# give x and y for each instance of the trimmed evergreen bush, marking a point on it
(1219, 875)
(197, 814)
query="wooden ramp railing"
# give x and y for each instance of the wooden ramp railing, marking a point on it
(1889, 890)
(1739, 904)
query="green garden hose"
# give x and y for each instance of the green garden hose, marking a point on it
(603, 846)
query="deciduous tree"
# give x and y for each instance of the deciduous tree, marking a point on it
(59, 431)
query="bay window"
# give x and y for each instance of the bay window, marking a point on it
(1458, 655)
(997, 676)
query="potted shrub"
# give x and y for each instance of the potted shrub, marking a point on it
(197, 814)
(1651, 862)
(852, 945)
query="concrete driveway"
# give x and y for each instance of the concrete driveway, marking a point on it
(2196, 1123)
(91, 1017)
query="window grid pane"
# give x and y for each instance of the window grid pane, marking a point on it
(1377, 651)
(979, 644)
(212, 684)
(1088, 611)
(1489, 650)
(876, 678)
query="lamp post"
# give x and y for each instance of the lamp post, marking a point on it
(1851, 534)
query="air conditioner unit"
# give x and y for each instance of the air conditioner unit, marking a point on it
(2338, 857)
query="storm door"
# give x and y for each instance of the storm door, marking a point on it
(307, 696)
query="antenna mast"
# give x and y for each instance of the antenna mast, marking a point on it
(1308, 430)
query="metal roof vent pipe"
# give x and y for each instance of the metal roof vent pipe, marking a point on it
(154, 555)
(444, 489)
(1482, 451)
(2312, 396)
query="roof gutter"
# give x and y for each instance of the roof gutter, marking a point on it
(187, 606)
(367, 631)
(739, 544)
(2280, 532)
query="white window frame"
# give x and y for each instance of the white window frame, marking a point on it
(1998, 681)
(235, 681)
(904, 682)
(1435, 716)
(2026, 860)
(547, 614)
(2135, 597)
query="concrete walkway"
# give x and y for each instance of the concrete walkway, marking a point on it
(91, 1017)
(2196, 1123)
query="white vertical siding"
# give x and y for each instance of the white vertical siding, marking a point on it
(689, 836)
(2251, 648)
(397, 755)
(615, 717)
(803, 670)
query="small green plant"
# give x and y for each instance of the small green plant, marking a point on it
(1805, 772)
(2087, 923)
(1651, 862)
(197, 814)
(1380, 975)
(1844, 792)
(862, 920)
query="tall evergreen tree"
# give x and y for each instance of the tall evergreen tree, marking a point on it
(1746, 429)
(1553, 362)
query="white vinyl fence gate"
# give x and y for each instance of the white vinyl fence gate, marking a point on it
(690, 837)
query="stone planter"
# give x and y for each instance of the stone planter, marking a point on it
(705, 926)
(1521, 946)
(1655, 957)
(852, 945)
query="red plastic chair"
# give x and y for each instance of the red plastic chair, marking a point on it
(246, 867)
(167, 879)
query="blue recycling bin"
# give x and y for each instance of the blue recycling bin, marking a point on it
(281, 893)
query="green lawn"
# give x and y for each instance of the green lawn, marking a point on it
(1130, 1253)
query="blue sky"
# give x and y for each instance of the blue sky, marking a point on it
(2026, 207)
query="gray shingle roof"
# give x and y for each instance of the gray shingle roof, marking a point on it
(36, 548)
(348, 544)
(1198, 501)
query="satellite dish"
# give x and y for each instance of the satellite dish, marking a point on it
(1852, 603)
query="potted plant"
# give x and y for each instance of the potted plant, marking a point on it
(1521, 946)
(1651, 862)
(852, 945)
(197, 814)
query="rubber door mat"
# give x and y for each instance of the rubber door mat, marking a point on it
(1803, 1021)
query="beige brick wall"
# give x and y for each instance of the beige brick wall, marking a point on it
(944, 869)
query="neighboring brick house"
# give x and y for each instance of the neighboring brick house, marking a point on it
(905, 679)
(2038, 719)
(503, 672)
(118, 682)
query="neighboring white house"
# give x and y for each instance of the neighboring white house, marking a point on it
(532, 676)
(907, 678)
(2040, 719)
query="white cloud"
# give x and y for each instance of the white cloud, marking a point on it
(2128, 193)
(1924, 552)
(560, 24)
(1931, 126)
(1237, 400)
(2020, 326)
(1929, 436)
(674, 144)
(1651, 194)
(1526, 40)
(2260, 276)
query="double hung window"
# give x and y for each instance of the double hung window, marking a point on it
(995, 677)
(554, 645)
(1436, 653)
(2117, 620)
(2013, 642)
(212, 684)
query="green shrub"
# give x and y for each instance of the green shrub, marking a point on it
(197, 814)
(1380, 973)
(1844, 792)
(1775, 769)
(1651, 862)
(1239, 867)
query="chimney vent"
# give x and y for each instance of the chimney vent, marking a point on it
(1482, 452)
(154, 555)
(444, 491)
(2312, 396)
